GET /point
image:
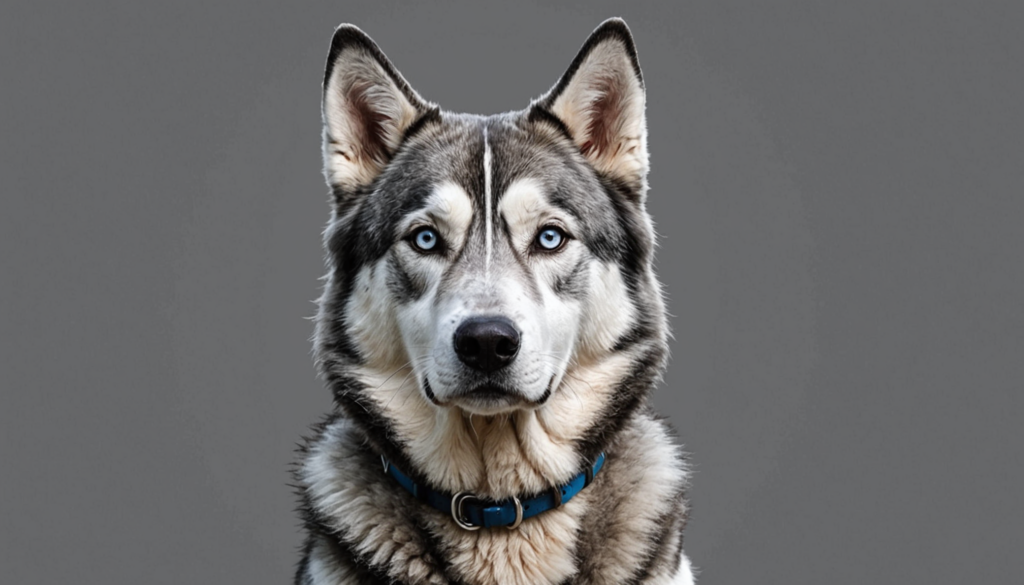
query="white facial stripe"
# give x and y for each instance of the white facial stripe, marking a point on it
(487, 203)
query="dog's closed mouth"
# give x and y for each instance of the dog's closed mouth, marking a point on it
(483, 395)
(489, 399)
(492, 392)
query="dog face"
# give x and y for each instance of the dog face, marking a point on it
(494, 264)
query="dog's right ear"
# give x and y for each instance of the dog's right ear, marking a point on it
(367, 107)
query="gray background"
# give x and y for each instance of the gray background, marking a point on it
(840, 197)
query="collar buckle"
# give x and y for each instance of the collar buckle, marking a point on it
(460, 519)
(457, 501)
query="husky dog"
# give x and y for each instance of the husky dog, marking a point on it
(491, 329)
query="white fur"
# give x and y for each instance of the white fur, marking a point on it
(372, 321)
(488, 236)
(684, 573)
(609, 313)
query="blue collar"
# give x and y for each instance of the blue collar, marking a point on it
(473, 513)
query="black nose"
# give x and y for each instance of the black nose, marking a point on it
(486, 343)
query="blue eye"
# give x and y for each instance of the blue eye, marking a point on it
(425, 239)
(550, 238)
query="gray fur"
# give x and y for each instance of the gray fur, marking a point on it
(591, 314)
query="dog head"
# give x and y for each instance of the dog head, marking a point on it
(488, 265)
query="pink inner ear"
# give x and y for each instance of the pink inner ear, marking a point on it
(370, 122)
(603, 118)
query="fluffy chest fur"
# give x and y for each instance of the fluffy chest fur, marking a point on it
(624, 528)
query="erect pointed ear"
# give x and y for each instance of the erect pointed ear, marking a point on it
(600, 101)
(367, 107)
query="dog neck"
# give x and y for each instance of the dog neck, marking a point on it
(522, 452)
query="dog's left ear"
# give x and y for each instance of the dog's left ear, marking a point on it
(600, 101)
